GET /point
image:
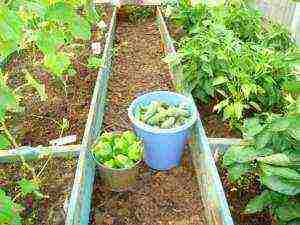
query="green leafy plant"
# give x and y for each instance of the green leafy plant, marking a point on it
(119, 151)
(271, 151)
(94, 62)
(52, 26)
(241, 71)
(9, 210)
(137, 13)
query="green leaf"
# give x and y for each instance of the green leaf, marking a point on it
(40, 88)
(81, 28)
(283, 172)
(280, 124)
(294, 222)
(9, 210)
(279, 159)
(281, 185)
(263, 139)
(260, 202)
(7, 98)
(2, 114)
(292, 86)
(237, 170)
(288, 212)
(57, 63)
(72, 72)
(94, 62)
(219, 80)
(60, 12)
(49, 41)
(252, 127)
(29, 187)
(239, 154)
(4, 142)
(234, 110)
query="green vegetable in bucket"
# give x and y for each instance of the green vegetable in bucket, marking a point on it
(130, 137)
(163, 115)
(103, 151)
(110, 163)
(118, 150)
(122, 161)
(121, 145)
(169, 123)
(135, 151)
(151, 110)
(108, 137)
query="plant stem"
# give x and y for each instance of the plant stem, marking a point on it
(10, 137)
(44, 166)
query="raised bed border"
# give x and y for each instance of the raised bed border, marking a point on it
(80, 200)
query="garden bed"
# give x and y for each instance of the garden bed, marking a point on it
(41, 121)
(238, 194)
(64, 112)
(160, 197)
(56, 180)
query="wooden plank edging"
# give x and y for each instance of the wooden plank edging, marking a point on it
(31, 153)
(80, 200)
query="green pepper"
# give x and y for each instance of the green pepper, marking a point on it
(176, 112)
(129, 136)
(135, 152)
(110, 163)
(103, 151)
(169, 123)
(121, 145)
(107, 137)
(122, 161)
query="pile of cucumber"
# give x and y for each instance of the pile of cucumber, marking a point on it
(162, 115)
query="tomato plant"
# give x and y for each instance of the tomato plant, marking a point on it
(231, 55)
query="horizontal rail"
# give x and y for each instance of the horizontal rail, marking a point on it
(128, 2)
(30, 153)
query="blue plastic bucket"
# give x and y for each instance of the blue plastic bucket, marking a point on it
(163, 147)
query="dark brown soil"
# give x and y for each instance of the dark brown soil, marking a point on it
(166, 198)
(56, 182)
(239, 194)
(214, 125)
